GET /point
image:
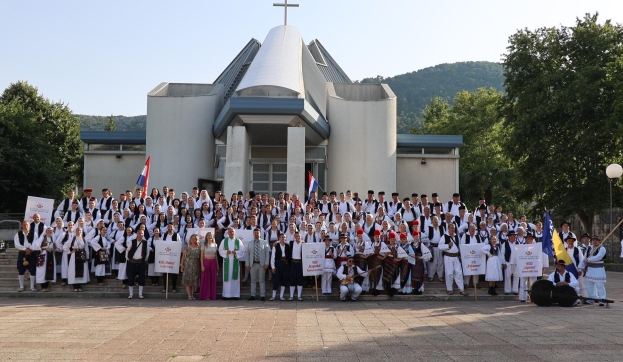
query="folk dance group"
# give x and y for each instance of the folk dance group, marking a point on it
(371, 244)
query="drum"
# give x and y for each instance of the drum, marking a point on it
(565, 296)
(541, 293)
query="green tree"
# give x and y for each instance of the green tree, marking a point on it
(563, 106)
(40, 147)
(484, 171)
(112, 126)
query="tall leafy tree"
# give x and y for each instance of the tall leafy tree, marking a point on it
(563, 107)
(40, 147)
(484, 171)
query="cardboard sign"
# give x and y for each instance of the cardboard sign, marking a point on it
(41, 206)
(528, 259)
(313, 258)
(168, 255)
(474, 261)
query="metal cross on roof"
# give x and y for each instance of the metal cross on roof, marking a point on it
(285, 7)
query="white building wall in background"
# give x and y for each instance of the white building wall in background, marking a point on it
(362, 146)
(236, 161)
(438, 175)
(180, 141)
(107, 170)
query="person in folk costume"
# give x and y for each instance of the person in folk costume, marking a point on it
(363, 249)
(121, 247)
(502, 230)
(347, 274)
(44, 248)
(151, 260)
(84, 200)
(92, 234)
(272, 236)
(425, 220)
(392, 266)
(565, 232)
(172, 235)
(379, 252)
(232, 250)
(431, 238)
(409, 260)
(62, 239)
(296, 267)
(280, 258)
(113, 238)
(525, 283)
(150, 206)
(344, 250)
(511, 280)
(421, 254)
(481, 214)
(398, 221)
(78, 268)
(101, 256)
(26, 258)
(73, 214)
(137, 252)
(385, 230)
(449, 245)
(562, 277)
(65, 205)
(471, 237)
(329, 266)
(108, 215)
(594, 271)
(584, 246)
(57, 231)
(577, 257)
(495, 264)
(483, 232)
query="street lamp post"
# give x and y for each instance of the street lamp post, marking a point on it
(614, 171)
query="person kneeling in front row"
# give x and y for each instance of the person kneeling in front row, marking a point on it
(346, 274)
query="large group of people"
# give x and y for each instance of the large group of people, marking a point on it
(372, 244)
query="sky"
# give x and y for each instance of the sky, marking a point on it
(102, 58)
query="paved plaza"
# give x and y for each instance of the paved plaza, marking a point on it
(109, 329)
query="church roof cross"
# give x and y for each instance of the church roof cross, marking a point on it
(285, 7)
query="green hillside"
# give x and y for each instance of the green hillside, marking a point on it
(416, 89)
(123, 123)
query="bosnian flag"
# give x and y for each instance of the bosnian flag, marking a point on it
(313, 184)
(143, 178)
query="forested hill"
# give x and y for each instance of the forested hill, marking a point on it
(122, 123)
(416, 89)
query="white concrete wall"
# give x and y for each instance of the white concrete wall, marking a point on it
(236, 161)
(116, 174)
(296, 161)
(179, 137)
(362, 146)
(437, 175)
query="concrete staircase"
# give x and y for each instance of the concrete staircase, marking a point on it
(9, 284)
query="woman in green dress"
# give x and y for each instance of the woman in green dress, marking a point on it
(191, 266)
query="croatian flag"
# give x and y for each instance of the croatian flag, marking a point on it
(313, 184)
(143, 178)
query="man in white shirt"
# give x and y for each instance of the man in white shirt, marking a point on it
(451, 259)
(26, 259)
(137, 253)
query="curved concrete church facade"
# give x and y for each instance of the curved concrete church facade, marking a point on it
(282, 108)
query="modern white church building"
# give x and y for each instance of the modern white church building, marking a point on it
(280, 109)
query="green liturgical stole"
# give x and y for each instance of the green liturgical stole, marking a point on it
(226, 261)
